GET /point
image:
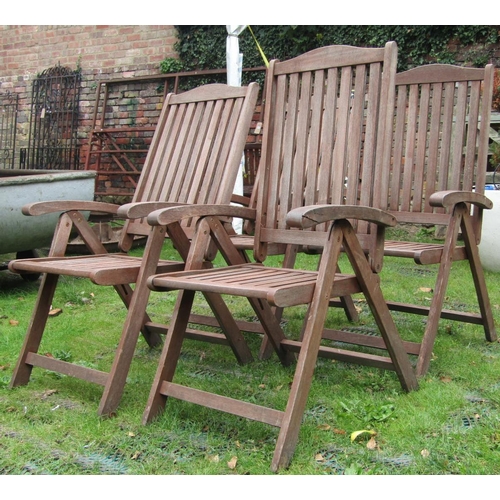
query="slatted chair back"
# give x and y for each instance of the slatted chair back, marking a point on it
(326, 121)
(440, 141)
(192, 160)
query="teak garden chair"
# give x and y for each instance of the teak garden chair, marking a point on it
(193, 159)
(321, 107)
(438, 167)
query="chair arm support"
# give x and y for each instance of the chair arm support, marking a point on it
(449, 199)
(174, 214)
(143, 209)
(46, 207)
(240, 199)
(309, 216)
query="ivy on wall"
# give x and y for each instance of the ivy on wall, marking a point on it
(204, 46)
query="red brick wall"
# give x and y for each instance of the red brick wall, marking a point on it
(102, 52)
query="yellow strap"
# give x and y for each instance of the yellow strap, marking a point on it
(266, 62)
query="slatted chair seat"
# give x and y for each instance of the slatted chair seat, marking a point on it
(421, 253)
(281, 287)
(326, 113)
(193, 159)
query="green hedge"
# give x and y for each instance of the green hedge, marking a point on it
(204, 47)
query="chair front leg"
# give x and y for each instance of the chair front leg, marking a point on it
(313, 331)
(34, 334)
(134, 324)
(470, 241)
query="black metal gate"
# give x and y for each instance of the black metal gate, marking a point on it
(8, 126)
(53, 143)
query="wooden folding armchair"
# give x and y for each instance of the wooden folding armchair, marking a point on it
(193, 159)
(319, 106)
(437, 173)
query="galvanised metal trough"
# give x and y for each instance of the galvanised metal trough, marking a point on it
(20, 233)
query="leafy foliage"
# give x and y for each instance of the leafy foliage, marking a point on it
(204, 46)
(496, 91)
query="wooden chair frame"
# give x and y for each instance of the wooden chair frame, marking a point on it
(297, 110)
(193, 159)
(438, 162)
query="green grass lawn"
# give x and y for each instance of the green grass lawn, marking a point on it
(451, 425)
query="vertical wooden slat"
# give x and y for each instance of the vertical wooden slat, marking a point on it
(328, 136)
(446, 135)
(433, 149)
(371, 130)
(356, 123)
(327, 133)
(458, 136)
(288, 148)
(302, 137)
(473, 126)
(397, 155)
(341, 136)
(409, 162)
(312, 187)
(421, 148)
(267, 201)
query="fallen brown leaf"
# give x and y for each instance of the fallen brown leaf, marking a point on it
(48, 393)
(232, 463)
(324, 427)
(372, 444)
(55, 312)
(13, 322)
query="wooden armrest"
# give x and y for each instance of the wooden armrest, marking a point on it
(449, 199)
(177, 213)
(46, 207)
(143, 208)
(309, 216)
